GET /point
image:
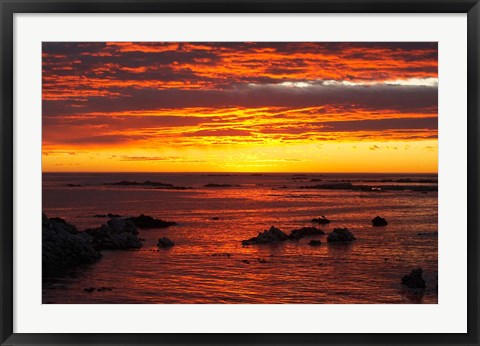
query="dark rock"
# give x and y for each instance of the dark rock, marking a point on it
(267, 236)
(414, 279)
(305, 231)
(73, 185)
(58, 220)
(340, 235)
(321, 220)
(64, 247)
(125, 183)
(221, 185)
(116, 234)
(165, 242)
(331, 186)
(245, 261)
(215, 218)
(155, 184)
(315, 243)
(89, 289)
(144, 221)
(107, 215)
(262, 260)
(172, 188)
(379, 221)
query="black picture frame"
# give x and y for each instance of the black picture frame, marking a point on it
(9, 8)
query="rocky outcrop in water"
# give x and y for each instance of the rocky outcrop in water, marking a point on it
(64, 247)
(403, 180)
(414, 279)
(154, 184)
(340, 235)
(116, 234)
(379, 221)
(267, 236)
(221, 185)
(165, 242)
(144, 221)
(321, 220)
(315, 243)
(305, 231)
(331, 186)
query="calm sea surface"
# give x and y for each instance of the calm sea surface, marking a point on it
(367, 270)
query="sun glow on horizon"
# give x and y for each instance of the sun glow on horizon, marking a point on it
(240, 107)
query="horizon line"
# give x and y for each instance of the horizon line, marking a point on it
(252, 172)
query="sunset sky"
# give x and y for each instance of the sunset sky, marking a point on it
(240, 107)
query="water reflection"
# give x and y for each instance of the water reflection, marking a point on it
(367, 270)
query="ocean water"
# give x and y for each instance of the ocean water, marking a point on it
(367, 270)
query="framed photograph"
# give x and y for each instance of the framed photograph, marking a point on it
(239, 173)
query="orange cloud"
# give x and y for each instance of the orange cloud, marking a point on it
(179, 106)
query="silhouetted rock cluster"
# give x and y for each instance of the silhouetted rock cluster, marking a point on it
(379, 221)
(414, 279)
(340, 235)
(165, 242)
(144, 221)
(116, 234)
(276, 235)
(64, 247)
(268, 236)
(315, 243)
(305, 231)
